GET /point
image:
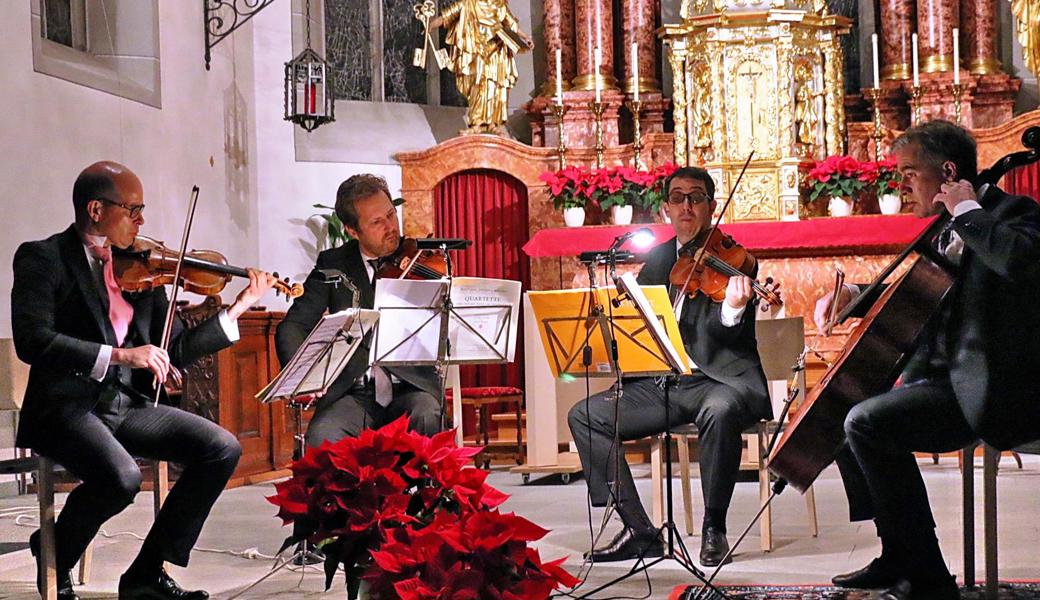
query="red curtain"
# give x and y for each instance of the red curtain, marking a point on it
(490, 208)
(1023, 181)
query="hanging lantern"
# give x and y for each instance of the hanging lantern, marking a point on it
(308, 102)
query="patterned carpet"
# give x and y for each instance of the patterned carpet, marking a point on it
(1008, 591)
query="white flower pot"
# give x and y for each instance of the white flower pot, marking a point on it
(839, 206)
(621, 215)
(890, 204)
(574, 217)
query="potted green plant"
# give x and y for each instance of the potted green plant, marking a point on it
(836, 179)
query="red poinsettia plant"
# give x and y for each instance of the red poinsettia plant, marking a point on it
(580, 186)
(406, 513)
(835, 176)
(882, 175)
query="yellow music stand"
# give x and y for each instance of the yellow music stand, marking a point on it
(568, 320)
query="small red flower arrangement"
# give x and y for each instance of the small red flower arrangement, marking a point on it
(406, 513)
(580, 186)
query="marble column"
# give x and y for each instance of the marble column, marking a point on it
(979, 34)
(640, 23)
(594, 26)
(935, 22)
(558, 33)
(897, 25)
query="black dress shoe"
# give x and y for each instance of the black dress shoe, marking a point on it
(714, 547)
(944, 588)
(65, 591)
(878, 574)
(629, 544)
(159, 586)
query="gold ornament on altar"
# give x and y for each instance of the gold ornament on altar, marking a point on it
(484, 38)
(1027, 17)
(702, 115)
(424, 12)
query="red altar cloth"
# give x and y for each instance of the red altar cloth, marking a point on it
(867, 234)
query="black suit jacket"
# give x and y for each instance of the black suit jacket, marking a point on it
(726, 354)
(60, 321)
(319, 297)
(993, 328)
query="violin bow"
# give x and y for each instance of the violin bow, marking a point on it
(725, 205)
(171, 309)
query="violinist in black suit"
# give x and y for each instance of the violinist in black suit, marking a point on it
(362, 396)
(725, 395)
(93, 358)
(971, 377)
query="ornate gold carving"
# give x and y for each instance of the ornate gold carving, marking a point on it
(1027, 24)
(702, 109)
(757, 197)
(677, 60)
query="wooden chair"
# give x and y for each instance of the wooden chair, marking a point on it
(481, 399)
(780, 344)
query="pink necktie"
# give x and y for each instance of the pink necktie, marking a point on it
(120, 313)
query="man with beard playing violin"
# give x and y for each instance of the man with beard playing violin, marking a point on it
(725, 394)
(971, 375)
(363, 396)
(94, 356)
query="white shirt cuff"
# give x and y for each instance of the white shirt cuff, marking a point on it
(853, 289)
(966, 206)
(229, 325)
(731, 316)
(104, 358)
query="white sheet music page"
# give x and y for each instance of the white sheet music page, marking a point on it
(657, 330)
(409, 324)
(484, 326)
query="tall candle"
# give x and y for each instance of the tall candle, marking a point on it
(917, 78)
(599, 59)
(599, 26)
(877, 67)
(956, 56)
(559, 78)
(635, 71)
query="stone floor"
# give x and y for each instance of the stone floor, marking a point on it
(243, 522)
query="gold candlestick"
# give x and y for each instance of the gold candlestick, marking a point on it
(874, 95)
(558, 111)
(958, 93)
(597, 110)
(915, 104)
(636, 106)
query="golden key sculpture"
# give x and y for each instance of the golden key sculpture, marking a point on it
(424, 12)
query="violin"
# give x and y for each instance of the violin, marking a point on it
(147, 263)
(409, 262)
(707, 269)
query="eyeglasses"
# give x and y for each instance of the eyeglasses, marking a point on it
(134, 209)
(694, 198)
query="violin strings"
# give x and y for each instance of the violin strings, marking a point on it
(728, 269)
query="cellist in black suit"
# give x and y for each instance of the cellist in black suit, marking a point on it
(93, 359)
(972, 377)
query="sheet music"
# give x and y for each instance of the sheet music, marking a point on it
(409, 330)
(489, 307)
(635, 293)
(322, 355)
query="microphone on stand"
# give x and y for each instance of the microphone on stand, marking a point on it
(334, 277)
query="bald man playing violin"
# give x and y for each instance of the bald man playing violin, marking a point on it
(94, 357)
(362, 396)
(725, 395)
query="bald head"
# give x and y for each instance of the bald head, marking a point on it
(104, 179)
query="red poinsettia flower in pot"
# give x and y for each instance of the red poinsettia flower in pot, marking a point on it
(360, 498)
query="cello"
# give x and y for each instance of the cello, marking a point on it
(880, 345)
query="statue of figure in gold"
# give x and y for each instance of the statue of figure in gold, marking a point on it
(805, 117)
(1027, 17)
(702, 115)
(485, 38)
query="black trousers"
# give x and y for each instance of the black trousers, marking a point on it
(100, 450)
(883, 432)
(346, 416)
(715, 407)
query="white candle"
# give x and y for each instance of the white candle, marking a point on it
(913, 42)
(877, 67)
(599, 59)
(559, 78)
(635, 71)
(956, 56)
